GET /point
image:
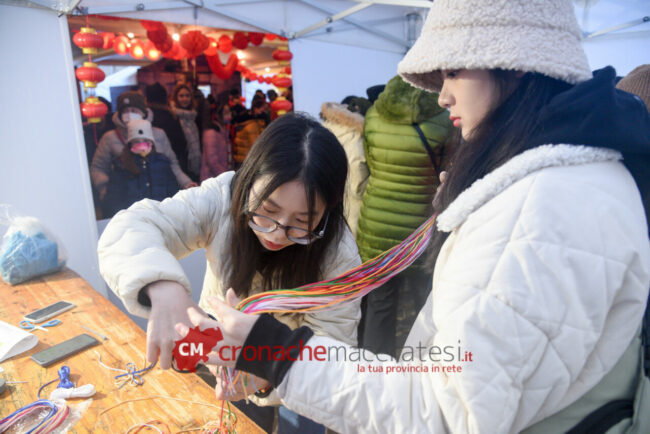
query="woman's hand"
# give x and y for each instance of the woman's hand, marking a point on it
(234, 325)
(169, 305)
(238, 391)
(190, 185)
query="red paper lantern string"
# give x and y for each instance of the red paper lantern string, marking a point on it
(136, 51)
(270, 36)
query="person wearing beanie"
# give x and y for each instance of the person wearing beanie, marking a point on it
(164, 119)
(130, 106)
(139, 172)
(404, 173)
(182, 103)
(541, 249)
(637, 82)
(347, 126)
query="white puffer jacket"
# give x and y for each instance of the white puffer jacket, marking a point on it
(544, 279)
(142, 245)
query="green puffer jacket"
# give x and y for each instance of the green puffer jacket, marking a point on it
(402, 178)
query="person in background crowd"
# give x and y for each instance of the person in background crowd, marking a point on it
(404, 134)
(182, 103)
(272, 95)
(542, 277)
(217, 150)
(348, 129)
(201, 105)
(130, 106)
(248, 128)
(164, 119)
(139, 172)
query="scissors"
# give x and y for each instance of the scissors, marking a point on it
(24, 324)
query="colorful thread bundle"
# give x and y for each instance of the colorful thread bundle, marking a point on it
(351, 285)
(58, 412)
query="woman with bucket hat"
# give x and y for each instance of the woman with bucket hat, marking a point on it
(533, 322)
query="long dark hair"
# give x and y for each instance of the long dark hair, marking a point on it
(294, 147)
(509, 129)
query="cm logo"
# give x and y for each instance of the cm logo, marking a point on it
(194, 348)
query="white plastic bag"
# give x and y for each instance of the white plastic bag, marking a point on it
(28, 249)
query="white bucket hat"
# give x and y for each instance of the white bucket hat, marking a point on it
(523, 35)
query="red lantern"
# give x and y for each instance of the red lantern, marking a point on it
(136, 51)
(195, 42)
(151, 51)
(120, 45)
(212, 49)
(282, 55)
(287, 70)
(281, 81)
(282, 38)
(90, 74)
(181, 53)
(166, 45)
(240, 40)
(172, 52)
(108, 39)
(158, 36)
(88, 40)
(268, 80)
(152, 25)
(255, 38)
(281, 105)
(270, 36)
(93, 109)
(224, 44)
(252, 76)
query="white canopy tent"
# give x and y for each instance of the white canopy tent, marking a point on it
(340, 48)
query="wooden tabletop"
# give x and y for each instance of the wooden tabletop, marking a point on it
(126, 343)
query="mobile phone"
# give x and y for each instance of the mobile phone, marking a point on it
(48, 311)
(64, 349)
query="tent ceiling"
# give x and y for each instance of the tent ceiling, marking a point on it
(376, 24)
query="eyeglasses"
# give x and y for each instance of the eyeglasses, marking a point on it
(267, 225)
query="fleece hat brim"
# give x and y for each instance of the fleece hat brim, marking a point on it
(523, 35)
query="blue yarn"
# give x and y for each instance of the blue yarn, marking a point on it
(64, 376)
(24, 257)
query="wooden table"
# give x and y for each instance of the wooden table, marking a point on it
(126, 343)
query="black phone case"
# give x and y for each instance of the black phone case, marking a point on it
(64, 349)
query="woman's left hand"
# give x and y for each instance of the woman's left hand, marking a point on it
(238, 391)
(234, 325)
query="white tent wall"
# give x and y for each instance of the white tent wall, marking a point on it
(43, 169)
(325, 72)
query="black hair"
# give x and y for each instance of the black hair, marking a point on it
(293, 147)
(510, 128)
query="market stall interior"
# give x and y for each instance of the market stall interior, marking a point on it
(221, 67)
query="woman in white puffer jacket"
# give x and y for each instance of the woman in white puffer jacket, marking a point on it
(276, 223)
(540, 286)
